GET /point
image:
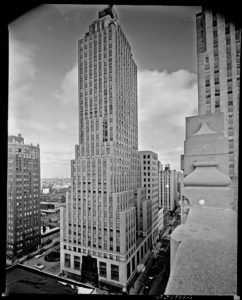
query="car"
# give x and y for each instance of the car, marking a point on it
(38, 255)
(39, 266)
(146, 290)
(42, 251)
(150, 280)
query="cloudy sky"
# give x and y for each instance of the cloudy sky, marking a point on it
(43, 103)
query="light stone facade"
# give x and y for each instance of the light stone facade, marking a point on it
(218, 69)
(168, 184)
(205, 141)
(149, 180)
(203, 258)
(100, 218)
(161, 219)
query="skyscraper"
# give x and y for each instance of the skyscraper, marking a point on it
(98, 225)
(168, 183)
(23, 197)
(218, 69)
(149, 180)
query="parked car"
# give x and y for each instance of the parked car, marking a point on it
(42, 251)
(38, 255)
(39, 266)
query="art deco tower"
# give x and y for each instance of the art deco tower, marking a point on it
(99, 223)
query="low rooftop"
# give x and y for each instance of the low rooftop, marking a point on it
(25, 280)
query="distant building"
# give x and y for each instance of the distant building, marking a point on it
(23, 197)
(160, 168)
(144, 213)
(149, 180)
(168, 183)
(182, 162)
(161, 220)
(179, 185)
(50, 207)
(49, 235)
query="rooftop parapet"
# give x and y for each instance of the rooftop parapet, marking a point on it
(204, 247)
(108, 11)
(204, 254)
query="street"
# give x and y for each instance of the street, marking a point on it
(49, 266)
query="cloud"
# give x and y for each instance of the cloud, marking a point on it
(164, 101)
(61, 125)
(22, 70)
(65, 10)
(34, 130)
(68, 92)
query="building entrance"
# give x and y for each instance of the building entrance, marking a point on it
(89, 270)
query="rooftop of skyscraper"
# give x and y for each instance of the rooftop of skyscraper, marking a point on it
(108, 11)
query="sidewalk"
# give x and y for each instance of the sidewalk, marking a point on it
(140, 280)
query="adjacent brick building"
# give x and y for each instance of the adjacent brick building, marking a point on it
(23, 197)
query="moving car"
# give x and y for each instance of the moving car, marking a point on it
(146, 290)
(42, 251)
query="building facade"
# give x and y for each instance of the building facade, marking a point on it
(218, 69)
(179, 185)
(160, 168)
(168, 183)
(207, 215)
(149, 180)
(99, 240)
(23, 197)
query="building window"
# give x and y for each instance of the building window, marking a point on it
(67, 260)
(137, 257)
(114, 272)
(102, 269)
(128, 270)
(76, 262)
(133, 264)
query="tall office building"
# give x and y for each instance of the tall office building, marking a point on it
(149, 180)
(218, 69)
(168, 183)
(179, 184)
(99, 240)
(160, 168)
(23, 197)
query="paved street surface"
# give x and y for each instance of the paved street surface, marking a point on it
(140, 280)
(50, 267)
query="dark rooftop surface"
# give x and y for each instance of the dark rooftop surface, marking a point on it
(21, 279)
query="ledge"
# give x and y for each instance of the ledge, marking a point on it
(205, 261)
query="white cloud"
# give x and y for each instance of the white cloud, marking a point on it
(61, 125)
(65, 10)
(165, 100)
(69, 88)
(22, 70)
